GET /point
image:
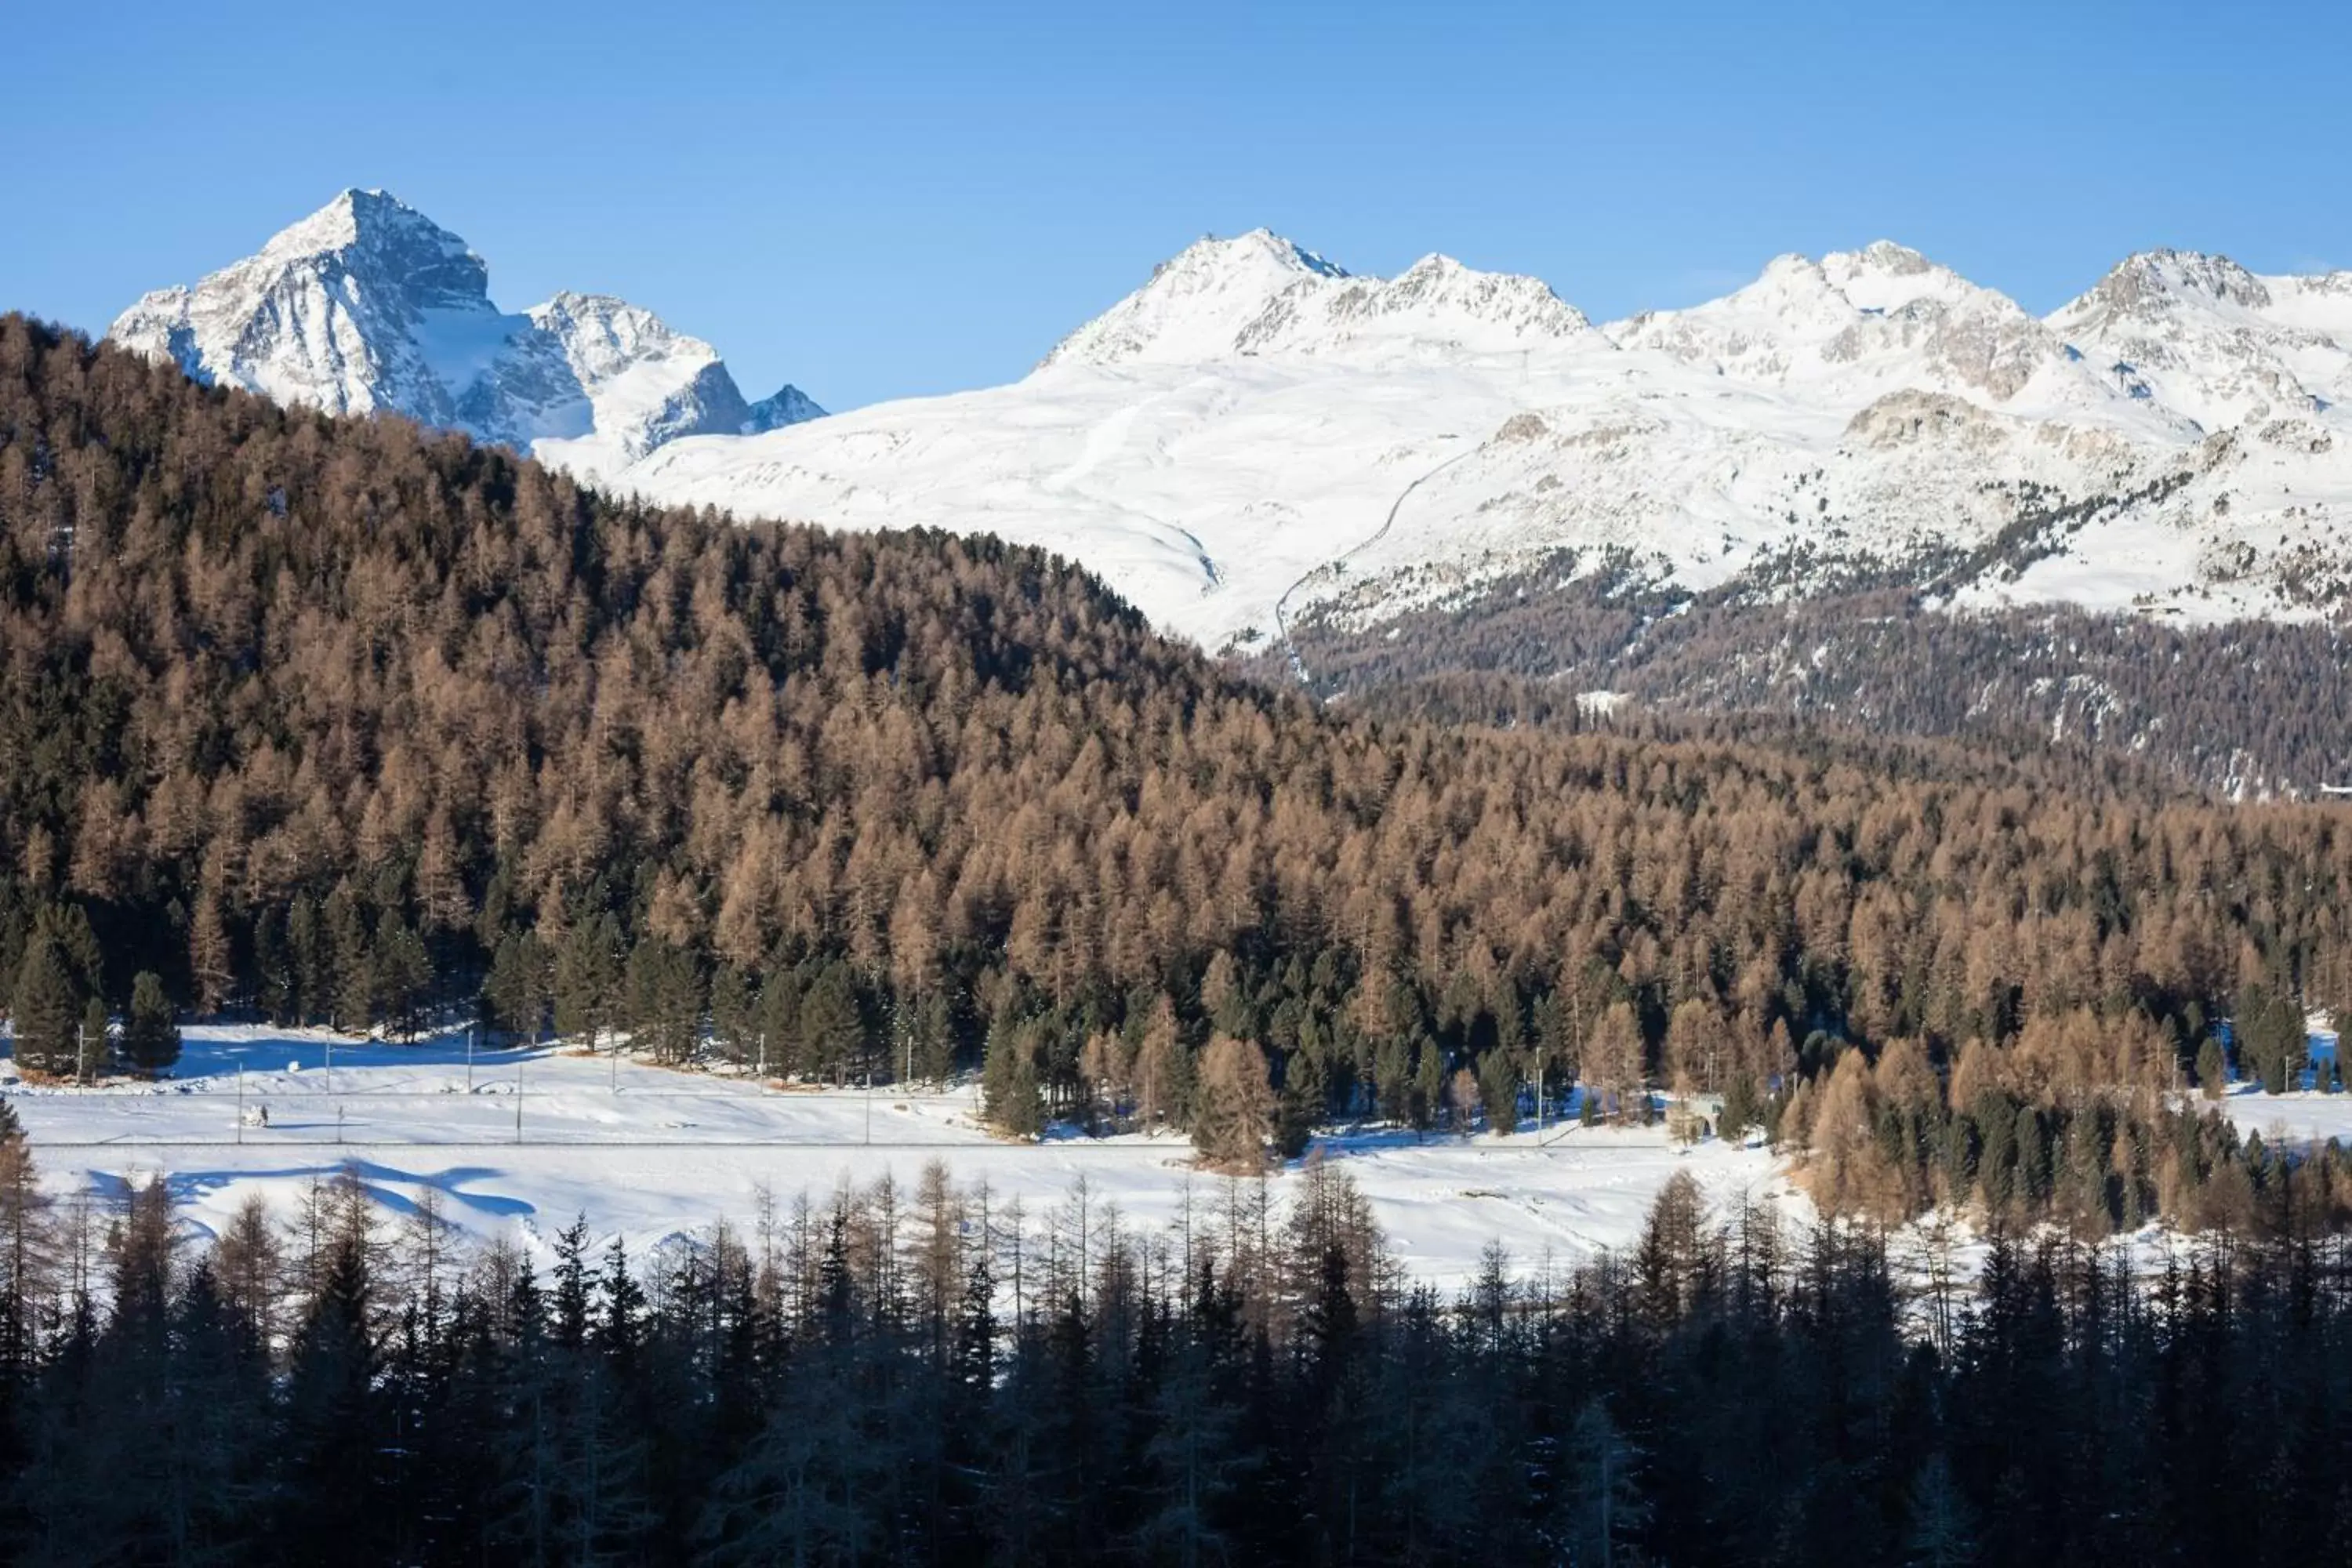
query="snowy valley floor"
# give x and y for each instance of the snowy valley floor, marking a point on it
(666, 1151)
(649, 1153)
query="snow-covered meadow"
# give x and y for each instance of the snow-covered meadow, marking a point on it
(648, 1153)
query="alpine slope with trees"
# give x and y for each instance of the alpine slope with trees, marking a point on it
(345, 721)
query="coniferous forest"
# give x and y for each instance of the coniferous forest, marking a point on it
(346, 723)
(2247, 708)
(924, 1376)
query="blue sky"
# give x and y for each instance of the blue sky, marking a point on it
(879, 200)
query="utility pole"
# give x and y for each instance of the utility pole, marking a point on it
(240, 1102)
(469, 1058)
(869, 1102)
(518, 1099)
(330, 1064)
(81, 1056)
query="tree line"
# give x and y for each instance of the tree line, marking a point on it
(933, 1375)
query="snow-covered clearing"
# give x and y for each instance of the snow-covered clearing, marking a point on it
(2295, 1118)
(648, 1153)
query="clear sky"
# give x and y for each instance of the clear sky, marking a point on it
(877, 200)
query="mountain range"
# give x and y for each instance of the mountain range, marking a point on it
(1257, 431)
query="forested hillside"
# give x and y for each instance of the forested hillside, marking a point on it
(340, 721)
(2248, 709)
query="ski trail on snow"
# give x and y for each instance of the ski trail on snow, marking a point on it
(1338, 563)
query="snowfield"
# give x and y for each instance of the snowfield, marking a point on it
(648, 1154)
(667, 1152)
(1254, 431)
(2300, 1118)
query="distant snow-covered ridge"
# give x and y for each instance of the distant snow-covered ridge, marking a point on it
(1256, 430)
(367, 306)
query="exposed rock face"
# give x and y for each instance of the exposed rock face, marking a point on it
(369, 307)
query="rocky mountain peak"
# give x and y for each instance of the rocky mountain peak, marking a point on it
(367, 305)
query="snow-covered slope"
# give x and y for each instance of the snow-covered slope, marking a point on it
(1856, 326)
(1436, 309)
(368, 306)
(1197, 305)
(2203, 335)
(1254, 429)
(1261, 295)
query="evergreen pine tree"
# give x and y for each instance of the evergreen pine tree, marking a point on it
(1300, 1106)
(1498, 1090)
(1009, 1089)
(587, 977)
(150, 1036)
(1743, 1108)
(273, 968)
(1940, 1534)
(514, 991)
(348, 981)
(1607, 1508)
(734, 1015)
(665, 999)
(333, 1459)
(45, 1009)
(403, 975)
(622, 1333)
(832, 1031)
(308, 962)
(1428, 1097)
(94, 1041)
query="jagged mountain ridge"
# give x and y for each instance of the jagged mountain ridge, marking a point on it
(2202, 334)
(367, 306)
(1262, 294)
(1256, 429)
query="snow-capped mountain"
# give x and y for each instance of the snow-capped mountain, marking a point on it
(1256, 429)
(1263, 295)
(368, 306)
(1436, 308)
(1195, 306)
(1866, 324)
(2203, 335)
